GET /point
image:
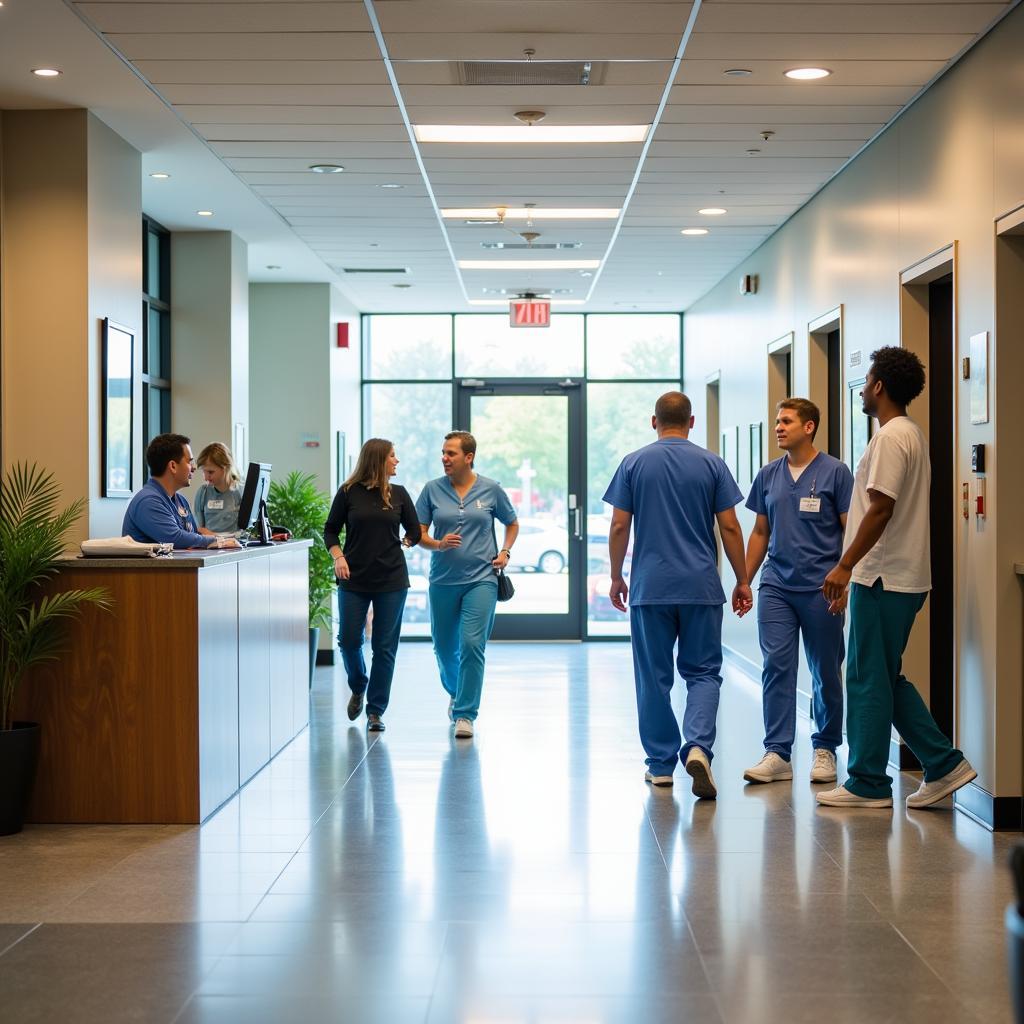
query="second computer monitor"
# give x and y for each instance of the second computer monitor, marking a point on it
(253, 510)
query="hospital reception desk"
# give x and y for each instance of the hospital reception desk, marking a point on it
(164, 706)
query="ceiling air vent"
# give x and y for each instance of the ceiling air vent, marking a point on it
(374, 270)
(528, 72)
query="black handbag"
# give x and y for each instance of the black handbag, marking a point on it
(505, 589)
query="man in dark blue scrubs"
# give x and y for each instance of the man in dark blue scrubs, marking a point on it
(671, 493)
(801, 501)
(158, 513)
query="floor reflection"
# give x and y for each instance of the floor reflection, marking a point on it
(528, 875)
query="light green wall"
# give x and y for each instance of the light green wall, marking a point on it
(944, 172)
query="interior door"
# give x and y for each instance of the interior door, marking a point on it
(529, 438)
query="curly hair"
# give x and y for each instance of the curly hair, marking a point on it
(900, 371)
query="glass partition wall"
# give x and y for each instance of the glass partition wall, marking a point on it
(554, 410)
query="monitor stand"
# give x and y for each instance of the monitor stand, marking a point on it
(263, 527)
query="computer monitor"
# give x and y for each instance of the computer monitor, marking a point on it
(253, 510)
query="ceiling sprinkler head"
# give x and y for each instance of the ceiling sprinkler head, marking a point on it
(530, 117)
(529, 236)
(767, 134)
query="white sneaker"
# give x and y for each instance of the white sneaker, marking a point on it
(842, 797)
(463, 729)
(658, 780)
(699, 769)
(771, 768)
(451, 709)
(929, 793)
(824, 767)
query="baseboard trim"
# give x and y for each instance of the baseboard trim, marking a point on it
(996, 813)
(325, 657)
(902, 758)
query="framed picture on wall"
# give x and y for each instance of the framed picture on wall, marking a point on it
(862, 426)
(756, 441)
(118, 409)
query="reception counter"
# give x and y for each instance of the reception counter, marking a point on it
(163, 707)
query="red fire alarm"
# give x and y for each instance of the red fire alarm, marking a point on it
(343, 335)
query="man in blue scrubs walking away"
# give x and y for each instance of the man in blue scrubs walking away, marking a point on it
(801, 501)
(671, 493)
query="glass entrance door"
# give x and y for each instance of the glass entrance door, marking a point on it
(529, 438)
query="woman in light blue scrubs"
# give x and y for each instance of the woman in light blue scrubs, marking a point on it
(219, 497)
(462, 507)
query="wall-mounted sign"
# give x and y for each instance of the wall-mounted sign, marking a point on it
(979, 377)
(529, 313)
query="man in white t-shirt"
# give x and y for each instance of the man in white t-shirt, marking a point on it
(886, 557)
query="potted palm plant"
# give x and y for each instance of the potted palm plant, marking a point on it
(33, 623)
(300, 506)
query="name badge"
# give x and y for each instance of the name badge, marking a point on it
(216, 503)
(810, 504)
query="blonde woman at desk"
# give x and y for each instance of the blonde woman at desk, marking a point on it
(219, 497)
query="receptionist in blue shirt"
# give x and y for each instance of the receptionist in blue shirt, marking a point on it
(158, 513)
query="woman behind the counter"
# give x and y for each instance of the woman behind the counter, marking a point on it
(220, 494)
(371, 571)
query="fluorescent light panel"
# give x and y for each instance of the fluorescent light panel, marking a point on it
(552, 134)
(529, 264)
(524, 213)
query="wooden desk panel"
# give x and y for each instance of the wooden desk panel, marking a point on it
(120, 711)
(162, 707)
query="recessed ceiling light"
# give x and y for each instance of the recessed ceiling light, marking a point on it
(45, 72)
(490, 214)
(529, 264)
(713, 211)
(554, 134)
(694, 231)
(160, 175)
(326, 168)
(390, 184)
(204, 213)
(737, 72)
(273, 266)
(807, 74)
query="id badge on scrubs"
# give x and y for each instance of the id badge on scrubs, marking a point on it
(810, 504)
(217, 503)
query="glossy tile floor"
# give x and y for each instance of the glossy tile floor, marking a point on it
(526, 876)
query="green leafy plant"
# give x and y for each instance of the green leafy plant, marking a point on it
(302, 508)
(32, 537)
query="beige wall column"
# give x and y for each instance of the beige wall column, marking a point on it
(71, 255)
(210, 339)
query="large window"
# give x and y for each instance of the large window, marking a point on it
(410, 364)
(156, 331)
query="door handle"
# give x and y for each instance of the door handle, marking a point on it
(577, 519)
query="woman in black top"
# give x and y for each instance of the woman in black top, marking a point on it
(371, 570)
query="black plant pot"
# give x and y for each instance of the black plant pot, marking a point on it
(19, 755)
(314, 643)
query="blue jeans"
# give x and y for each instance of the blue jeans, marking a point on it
(655, 628)
(461, 617)
(387, 627)
(782, 616)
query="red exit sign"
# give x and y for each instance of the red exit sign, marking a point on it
(529, 313)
